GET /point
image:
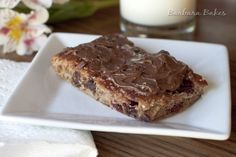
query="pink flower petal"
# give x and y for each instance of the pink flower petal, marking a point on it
(39, 16)
(37, 30)
(4, 30)
(3, 39)
(28, 42)
(9, 45)
(28, 45)
(37, 4)
(39, 42)
(22, 49)
(25, 46)
(8, 3)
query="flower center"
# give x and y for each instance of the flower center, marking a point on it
(15, 25)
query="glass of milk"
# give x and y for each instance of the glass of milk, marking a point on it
(162, 18)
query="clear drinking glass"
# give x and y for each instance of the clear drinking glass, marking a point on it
(158, 18)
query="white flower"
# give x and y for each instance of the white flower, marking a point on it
(24, 33)
(33, 4)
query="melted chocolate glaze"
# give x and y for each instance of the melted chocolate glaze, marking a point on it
(118, 61)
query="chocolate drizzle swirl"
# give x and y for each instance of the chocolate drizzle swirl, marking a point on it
(116, 59)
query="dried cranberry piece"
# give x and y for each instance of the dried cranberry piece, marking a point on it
(118, 107)
(186, 86)
(175, 108)
(132, 108)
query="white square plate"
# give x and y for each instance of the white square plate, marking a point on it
(41, 98)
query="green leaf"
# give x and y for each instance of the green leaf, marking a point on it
(72, 9)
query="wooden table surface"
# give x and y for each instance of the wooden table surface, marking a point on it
(214, 29)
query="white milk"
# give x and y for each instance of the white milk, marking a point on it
(156, 12)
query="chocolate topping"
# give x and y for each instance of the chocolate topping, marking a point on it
(117, 60)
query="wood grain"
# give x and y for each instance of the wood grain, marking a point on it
(215, 29)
